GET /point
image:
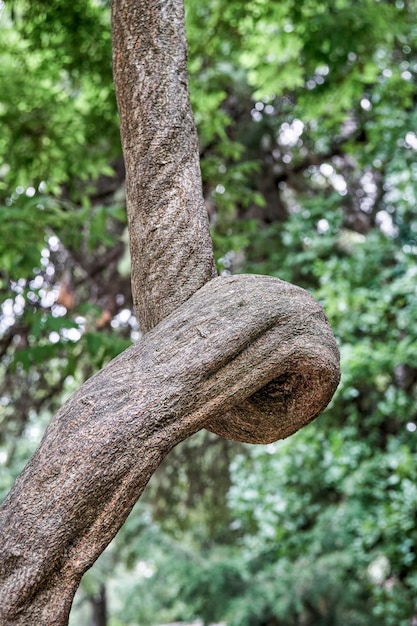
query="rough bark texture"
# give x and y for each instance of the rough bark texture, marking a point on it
(170, 243)
(249, 357)
(246, 339)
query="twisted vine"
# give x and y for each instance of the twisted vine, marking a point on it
(249, 357)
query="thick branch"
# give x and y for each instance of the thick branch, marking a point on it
(249, 357)
(248, 340)
(170, 242)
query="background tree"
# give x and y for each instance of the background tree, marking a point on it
(306, 121)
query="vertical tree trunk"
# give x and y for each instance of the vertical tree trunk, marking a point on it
(171, 248)
(99, 608)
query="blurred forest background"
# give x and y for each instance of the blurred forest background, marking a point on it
(307, 118)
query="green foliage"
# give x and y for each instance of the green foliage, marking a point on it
(59, 106)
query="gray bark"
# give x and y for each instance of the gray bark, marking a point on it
(250, 354)
(249, 357)
(171, 249)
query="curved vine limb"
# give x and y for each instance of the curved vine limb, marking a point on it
(251, 357)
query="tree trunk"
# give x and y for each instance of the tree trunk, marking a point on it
(170, 243)
(99, 607)
(249, 357)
